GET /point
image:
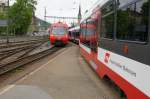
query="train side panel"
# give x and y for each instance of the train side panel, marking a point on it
(122, 56)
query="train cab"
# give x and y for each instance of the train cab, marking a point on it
(59, 34)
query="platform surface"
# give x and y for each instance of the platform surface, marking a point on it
(67, 76)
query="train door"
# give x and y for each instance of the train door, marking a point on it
(82, 33)
(94, 37)
(96, 18)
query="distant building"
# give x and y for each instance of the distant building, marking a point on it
(73, 24)
(3, 6)
(42, 25)
(38, 25)
(3, 2)
(79, 15)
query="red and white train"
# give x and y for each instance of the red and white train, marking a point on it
(59, 34)
(114, 39)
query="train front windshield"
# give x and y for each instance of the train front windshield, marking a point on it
(58, 31)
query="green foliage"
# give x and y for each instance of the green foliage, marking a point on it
(2, 16)
(20, 16)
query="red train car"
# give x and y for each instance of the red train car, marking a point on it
(121, 48)
(74, 34)
(59, 34)
(88, 32)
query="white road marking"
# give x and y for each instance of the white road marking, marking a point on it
(7, 89)
(33, 72)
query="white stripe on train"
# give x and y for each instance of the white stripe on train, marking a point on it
(133, 71)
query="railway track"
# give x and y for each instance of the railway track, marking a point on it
(7, 52)
(20, 61)
(14, 50)
(17, 54)
(16, 44)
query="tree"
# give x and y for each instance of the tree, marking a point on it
(20, 16)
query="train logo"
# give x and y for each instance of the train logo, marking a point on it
(107, 57)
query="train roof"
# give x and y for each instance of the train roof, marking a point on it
(76, 28)
(59, 24)
(93, 9)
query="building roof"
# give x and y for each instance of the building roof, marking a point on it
(3, 2)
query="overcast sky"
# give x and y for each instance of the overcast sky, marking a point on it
(63, 8)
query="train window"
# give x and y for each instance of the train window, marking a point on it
(82, 35)
(90, 31)
(107, 26)
(58, 31)
(132, 21)
(121, 3)
(108, 7)
(107, 23)
(83, 31)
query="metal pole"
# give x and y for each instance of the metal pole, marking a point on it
(45, 19)
(7, 23)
